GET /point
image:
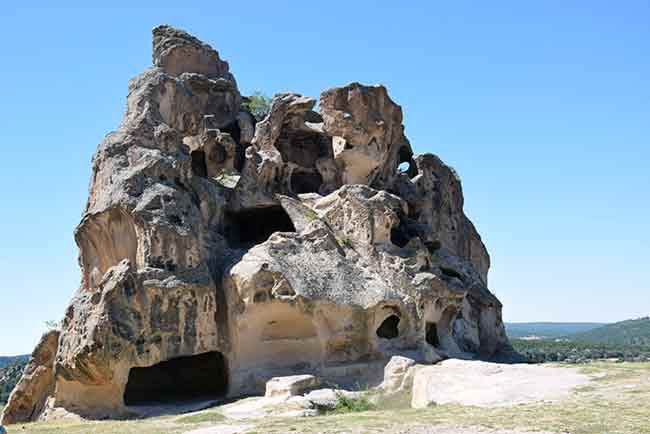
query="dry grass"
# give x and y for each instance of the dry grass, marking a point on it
(616, 402)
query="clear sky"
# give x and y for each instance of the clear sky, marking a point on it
(542, 107)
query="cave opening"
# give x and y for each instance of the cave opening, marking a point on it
(431, 334)
(301, 147)
(199, 167)
(405, 162)
(389, 328)
(407, 229)
(254, 226)
(305, 182)
(204, 376)
(234, 131)
(240, 150)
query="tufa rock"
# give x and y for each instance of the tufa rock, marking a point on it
(482, 384)
(29, 397)
(217, 253)
(290, 386)
(398, 375)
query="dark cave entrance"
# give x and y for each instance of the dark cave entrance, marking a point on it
(254, 226)
(389, 328)
(305, 182)
(302, 148)
(204, 376)
(431, 334)
(199, 167)
(407, 229)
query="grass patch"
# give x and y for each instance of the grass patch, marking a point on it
(357, 404)
(206, 416)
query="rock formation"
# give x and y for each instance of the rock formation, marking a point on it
(217, 253)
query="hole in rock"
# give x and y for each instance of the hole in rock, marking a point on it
(305, 182)
(401, 234)
(234, 131)
(180, 379)
(240, 152)
(313, 117)
(254, 226)
(431, 334)
(388, 328)
(199, 168)
(302, 148)
(406, 163)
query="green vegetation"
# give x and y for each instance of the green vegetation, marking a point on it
(7, 361)
(346, 404)
(633, 332)
(310, 215)
(625, 341)
(563, 350)
(258, 104)
(9, 376)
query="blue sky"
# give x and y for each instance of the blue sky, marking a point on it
(542, 107)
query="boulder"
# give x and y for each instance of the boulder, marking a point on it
(290, 386)
(326, 399)
(28, 399)
(483, 384)
(398, 375)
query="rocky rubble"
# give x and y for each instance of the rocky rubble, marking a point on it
(217, 252)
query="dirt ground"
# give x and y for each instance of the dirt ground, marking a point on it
(615, 401)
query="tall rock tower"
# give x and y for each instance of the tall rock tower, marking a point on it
(217, 251)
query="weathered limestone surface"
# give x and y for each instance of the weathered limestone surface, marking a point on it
(291, 385)
(246, 251)
(37, 383)
(478, 383)
(398, 375)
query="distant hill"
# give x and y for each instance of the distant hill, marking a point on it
(548, 329)
(10, 372)
(630, 332)
(6, 361)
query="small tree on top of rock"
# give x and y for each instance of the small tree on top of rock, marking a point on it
(258, 104)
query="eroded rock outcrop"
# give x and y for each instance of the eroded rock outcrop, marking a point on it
(217, 253)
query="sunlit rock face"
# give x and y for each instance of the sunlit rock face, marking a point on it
(217, 252)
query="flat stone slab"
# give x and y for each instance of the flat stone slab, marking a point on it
(290, 386)
(491, 384)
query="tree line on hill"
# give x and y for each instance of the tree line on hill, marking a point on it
(10, 373)
(625, 341)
